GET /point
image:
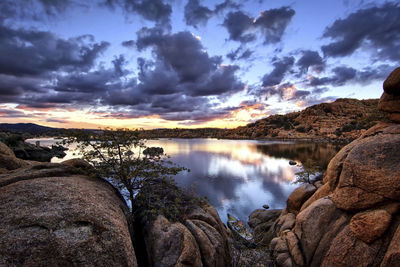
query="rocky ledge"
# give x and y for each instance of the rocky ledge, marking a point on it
(352, 218)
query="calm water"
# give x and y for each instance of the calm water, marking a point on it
(237, 176)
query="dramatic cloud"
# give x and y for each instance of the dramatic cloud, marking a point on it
(375, 29)
(183, 55)
(271, 23)
(196, 13)
(31, 52)
(176, 85)
(281, 68)
(310, 59)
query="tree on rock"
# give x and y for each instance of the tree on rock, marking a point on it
(122, 157)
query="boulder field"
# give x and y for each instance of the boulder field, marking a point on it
(352, 218)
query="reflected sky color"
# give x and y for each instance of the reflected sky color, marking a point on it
(237, 176)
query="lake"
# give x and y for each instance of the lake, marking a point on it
(237, 176)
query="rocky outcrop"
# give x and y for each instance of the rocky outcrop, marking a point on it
(52, 215)
(8, 161)
(353, 218)
(194, 236)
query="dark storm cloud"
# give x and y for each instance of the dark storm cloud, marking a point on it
(281, 68)
(374, 28)
(31, 52)
(310, 59)
(271, 23)
(343, 75)
(153, 10)
(196, 13)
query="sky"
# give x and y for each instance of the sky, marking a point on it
(188, 63)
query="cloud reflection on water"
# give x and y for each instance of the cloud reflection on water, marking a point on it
(238, 176)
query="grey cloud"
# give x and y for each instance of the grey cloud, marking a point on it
(184, 56)
(309, 59)
(343, 75)
(227, 4)
(196, 13)
(271, 23)
(274, 22)
(9, 113)
(34, 9)
(129, 44)
(375, 28)
(45, 52)
(239, 54)
(153, 10)
(57, 120)
(281, 68)
(282, 92)
(238, 23)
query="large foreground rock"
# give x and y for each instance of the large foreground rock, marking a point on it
(353, 219)
(53, 216)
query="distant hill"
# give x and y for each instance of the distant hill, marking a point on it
(345, 119)
(29, 128)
